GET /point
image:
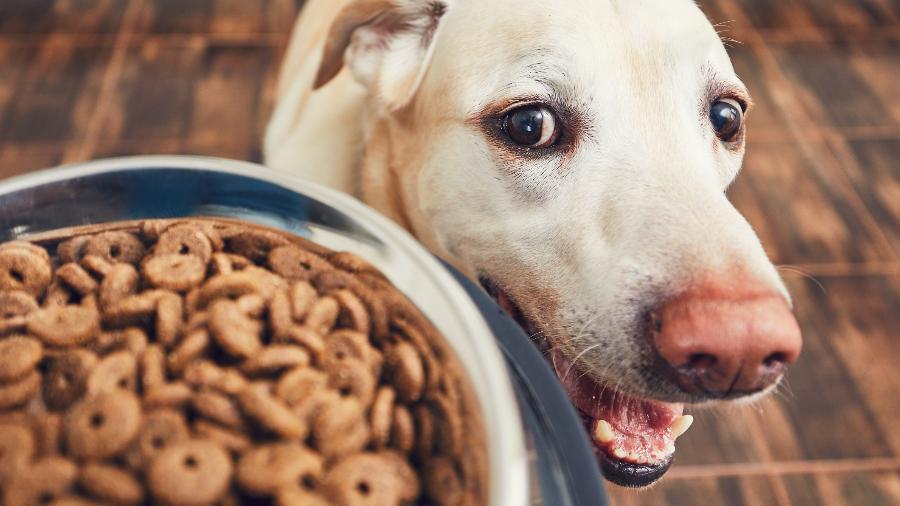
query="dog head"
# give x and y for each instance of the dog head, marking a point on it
(573, 156)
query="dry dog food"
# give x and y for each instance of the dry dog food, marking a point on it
(189, 362)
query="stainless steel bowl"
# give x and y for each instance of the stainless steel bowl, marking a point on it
(175, 186)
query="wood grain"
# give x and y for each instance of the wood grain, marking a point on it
(84, 79)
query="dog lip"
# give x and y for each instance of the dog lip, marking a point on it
(620, 471)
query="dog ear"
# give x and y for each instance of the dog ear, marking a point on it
(386, 43)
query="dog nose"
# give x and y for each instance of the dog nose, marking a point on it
(725, 346)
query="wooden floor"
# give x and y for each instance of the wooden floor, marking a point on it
(82, 79)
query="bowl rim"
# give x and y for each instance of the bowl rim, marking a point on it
(508, 474)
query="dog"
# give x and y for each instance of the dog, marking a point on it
(572, 156)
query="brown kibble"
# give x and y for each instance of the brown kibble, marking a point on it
(448, 426)
(117, 370)
(119, 282)
(280, 318)
(344, 344)
(442, 482)
(424, 431)
(102, 426)
(153, 367)
(352, 378)
(17, 448)
(294, 263)
(178, 273)
(203, 373)
(189, 349)
(274, 358)
(341, 428)
(322, 315)
(382, 478)
(169, 318)
(350, 262)
(18, 356)
(132, 339)
(403, 430)
(307, 338)
(256, 244)
(23, 269)
(41, 482)
(48, 429)
(16, 303)
(65, 325)
(237, 334)
(218, 408)
(66, 378)
(115, 247)
(76, 278)
(270, 413)
(186, 239)
(405, 371)
(161, 429)
(353, 313)
(17, 392)
(302, 296)
(168, 395)
(296, 385)
(228, 286)
(380, 416)
(97, 265)
(266, 469)
(72, 250)
(109, 483)
(191, 472)
(230, 439)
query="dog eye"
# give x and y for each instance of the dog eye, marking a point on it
(727, 116)
(533, 126)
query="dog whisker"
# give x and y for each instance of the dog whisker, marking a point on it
(583, 352)
(795, 270)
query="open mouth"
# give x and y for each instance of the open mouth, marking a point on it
(634, 438)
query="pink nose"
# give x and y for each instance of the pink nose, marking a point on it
(724, 344)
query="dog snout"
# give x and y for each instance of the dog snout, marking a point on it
(723, 345)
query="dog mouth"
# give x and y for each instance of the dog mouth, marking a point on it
(633, 437)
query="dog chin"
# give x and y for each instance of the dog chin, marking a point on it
(633, 437)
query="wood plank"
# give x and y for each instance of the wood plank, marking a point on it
(48, 90)
(740, 491)
(834, 15)
(53, 16)
(218, 16)
(803, 209)
(16, 159)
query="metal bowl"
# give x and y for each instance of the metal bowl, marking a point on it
(177, 186)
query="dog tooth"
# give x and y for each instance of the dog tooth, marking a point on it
(681, 425)
(619, 453)
(603, 431)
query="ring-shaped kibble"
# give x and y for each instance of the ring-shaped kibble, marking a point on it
(348, 344)
(352, 378)
(353, 313)
(237, 334)
(26, 246)
(303, 296)
(102, 426)
(256, 244)
(110, 483)
(16, 303)
(218, 408)
(75, 277)
(169, 318)
(18, 356)
(120, 281)
(381, 416)
(322, 316)
(442, 482)
(17, 447)
(116, 246)
(22, 269)
(19, 391)
(233, 440)
(178, 273)
(274, 358)
(61, 326)
(41, 483)
(160, 429)
(403, 430)
(66, 378)
(340, 428)
(270, 413)
(267, 468)
(118, 370)
(296, 264)
(370, 479)
(184, 239)
(350, 262)
(72, 250)
(295, 386)
(448, 426)
(405, 371)
(227, 286)
(190, 472)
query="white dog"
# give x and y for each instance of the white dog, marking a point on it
(572, 155)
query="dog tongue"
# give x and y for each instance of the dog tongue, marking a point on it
(626, 428)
